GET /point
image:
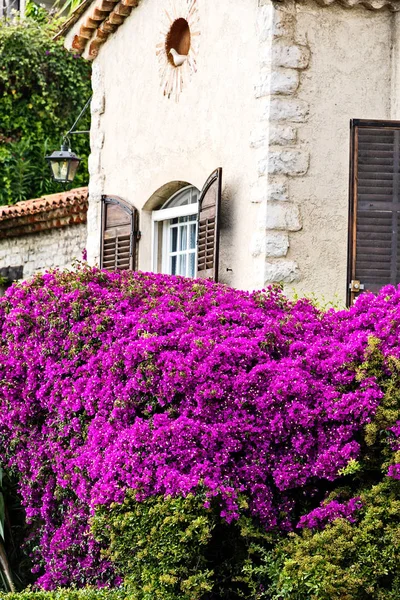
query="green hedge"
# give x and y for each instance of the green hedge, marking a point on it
(61, 594)
(180, 549)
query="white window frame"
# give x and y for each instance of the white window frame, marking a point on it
(165, 215)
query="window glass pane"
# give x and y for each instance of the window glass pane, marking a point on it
(183, 240)
(173, 265)
(184, 197)
(192, 265)
(177, 240)
(174, 239)
(192, 236)
(182, 264)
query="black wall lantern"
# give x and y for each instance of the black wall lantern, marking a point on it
(64, 163)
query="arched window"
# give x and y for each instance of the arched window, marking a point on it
(185, 232)
(175, 234)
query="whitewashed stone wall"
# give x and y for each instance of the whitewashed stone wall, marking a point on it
(319, 67)
(274, 112)
(40, 251)
(96, 171)
(281, 155)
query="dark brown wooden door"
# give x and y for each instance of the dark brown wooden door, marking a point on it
(119, 235)
(374, 213)
(208, 227)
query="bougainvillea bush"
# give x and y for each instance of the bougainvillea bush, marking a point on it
(115, 384)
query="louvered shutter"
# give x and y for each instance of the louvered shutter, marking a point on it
(374, 257)
(208, 227)
(119, 234)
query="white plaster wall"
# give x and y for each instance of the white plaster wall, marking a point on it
(40, 251)
(395, 82)
(349, 76)
(141, 140)
(276, 87)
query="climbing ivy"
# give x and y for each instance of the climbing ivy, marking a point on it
(42, 89)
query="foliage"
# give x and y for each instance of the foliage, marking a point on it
(42, 90)
(350, 549)
(261, 407)
(67, 7)
(157, 545)
(177, 548)
(345, 561)
(71, 594)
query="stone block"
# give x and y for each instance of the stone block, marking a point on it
(278, 191)
(259, 137)
(98, 103)
(286, 109)
(282, 271)
(284, 81)
(287, 162)
(283, 21)
(273, 135)
(257, 244)
(264, 21)
(279, 81)
(258, 190)
(97, 141)
(282, 135)
(286, 54)
(283, 216)
(276, 244)
(94, 164)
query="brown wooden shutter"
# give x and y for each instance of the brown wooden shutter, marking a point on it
(208, 227)
(120, 234)
(374, 213)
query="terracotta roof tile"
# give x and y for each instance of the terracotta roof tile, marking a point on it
(43, 214)
(45, 204)
(103, 17)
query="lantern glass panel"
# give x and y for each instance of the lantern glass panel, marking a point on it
(60, 169)
(73, 167)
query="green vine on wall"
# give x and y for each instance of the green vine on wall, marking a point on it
(42, 89)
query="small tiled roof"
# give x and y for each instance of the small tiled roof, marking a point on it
(103, 17)
(47, 212)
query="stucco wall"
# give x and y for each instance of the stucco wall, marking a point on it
(142, 140)
(275, 89)
(349, 76)
(38, 251)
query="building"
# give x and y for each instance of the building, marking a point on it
(260, 95)
(42, 233)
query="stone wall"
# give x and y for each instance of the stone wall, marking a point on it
(281, 154)
(141, 140)
(271, 102)
(39, 251)
(319, 67)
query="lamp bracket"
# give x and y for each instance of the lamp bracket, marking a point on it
(73, 130)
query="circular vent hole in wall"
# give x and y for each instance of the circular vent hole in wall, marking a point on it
(178, 38)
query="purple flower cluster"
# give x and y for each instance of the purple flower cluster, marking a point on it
(166, 385)
(321, 516)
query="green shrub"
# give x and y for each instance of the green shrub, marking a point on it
(344, 561)
(175, 548)
(158, 546)
(70, 594)
(351, 561)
